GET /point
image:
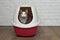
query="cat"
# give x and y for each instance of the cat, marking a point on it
(23, 16)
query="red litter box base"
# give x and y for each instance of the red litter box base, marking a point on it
(25, 31)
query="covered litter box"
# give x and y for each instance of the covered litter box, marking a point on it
(25, 21)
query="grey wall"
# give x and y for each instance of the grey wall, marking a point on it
(48, 11)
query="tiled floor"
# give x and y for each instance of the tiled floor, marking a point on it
(44, 33)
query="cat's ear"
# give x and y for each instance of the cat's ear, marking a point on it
(26, 10)
(20, 11)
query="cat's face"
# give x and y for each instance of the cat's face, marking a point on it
(24, 13)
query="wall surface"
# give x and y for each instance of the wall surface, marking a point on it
(48, 11)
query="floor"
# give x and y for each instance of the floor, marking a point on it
(44, 33)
